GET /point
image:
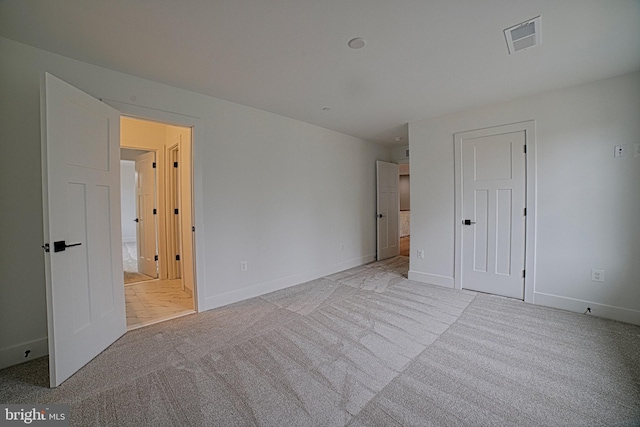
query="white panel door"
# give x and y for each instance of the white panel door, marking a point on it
(388, 224)
(81, 201)
(146, 220)
(493, 212)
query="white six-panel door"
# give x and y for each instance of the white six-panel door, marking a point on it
(81, 204)
(493, 213)
(388, 201)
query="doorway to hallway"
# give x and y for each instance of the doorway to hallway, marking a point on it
(156, 178)
(138, 214)
(405, 209)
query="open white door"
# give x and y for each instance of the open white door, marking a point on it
(81, 203)
(388, 227)
(146, 220)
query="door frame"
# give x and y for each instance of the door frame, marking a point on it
(174, 223)
(195, 123)
(530, 195)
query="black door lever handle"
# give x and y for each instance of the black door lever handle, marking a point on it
(62, 245)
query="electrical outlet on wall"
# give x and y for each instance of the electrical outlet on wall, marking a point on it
(421, 253)
(597, 275)
(620, 151)
(244, 266)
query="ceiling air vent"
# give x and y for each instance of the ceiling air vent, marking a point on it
(523, 36)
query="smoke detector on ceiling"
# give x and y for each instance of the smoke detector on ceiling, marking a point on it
(523, 36)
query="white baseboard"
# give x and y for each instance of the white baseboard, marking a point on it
(285, 282)
(15, 355)
(580, 306)
(432, 279)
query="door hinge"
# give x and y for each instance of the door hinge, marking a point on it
(155, 258)
(155, 211)
(177, 257)
(525, 149)
(175, 164)
(524, 273)
(46, 247)
(193, 228)
(154, 165)
(175, 211)
(525, 211)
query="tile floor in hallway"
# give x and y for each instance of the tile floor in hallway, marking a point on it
(405, 245)
(152, 301)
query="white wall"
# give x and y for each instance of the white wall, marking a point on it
(289, 230)
(399, 154)
(128, 199)
(588, 202)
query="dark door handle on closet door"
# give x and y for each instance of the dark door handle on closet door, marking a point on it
(62, 245)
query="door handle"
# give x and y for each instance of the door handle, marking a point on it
(380, 216)
(468, 222)
(136, 220)
(62, 245)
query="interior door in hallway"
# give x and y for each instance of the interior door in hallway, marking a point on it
(81, 208)
(388, 206)
(493, 212)
(146, 220)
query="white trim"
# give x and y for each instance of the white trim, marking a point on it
(197, 146)
(529, 127)
(281, 283)
(580, 306)
(162, 319)
(14, 355)
(432, 279)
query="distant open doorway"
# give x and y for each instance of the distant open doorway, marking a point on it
(139, 228)
(157, 221)
(405, 209)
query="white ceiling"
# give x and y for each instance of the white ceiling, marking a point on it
(423, 58)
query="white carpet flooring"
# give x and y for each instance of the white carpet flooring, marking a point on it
(365, 347)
